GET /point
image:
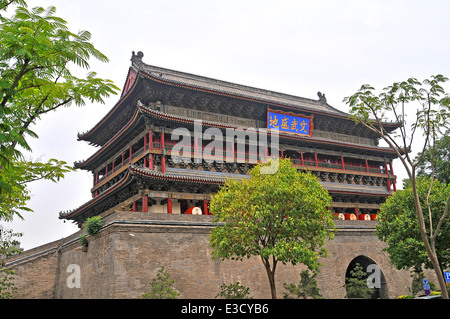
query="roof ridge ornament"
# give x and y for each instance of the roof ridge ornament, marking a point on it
(322, 97)
(137, 58)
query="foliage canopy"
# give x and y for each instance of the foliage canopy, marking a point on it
(8, 247)
(282, 217)
(398, 225)
(37, 55)
(437, 161)
(418, 109)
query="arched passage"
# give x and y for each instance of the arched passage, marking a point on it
(370, 268)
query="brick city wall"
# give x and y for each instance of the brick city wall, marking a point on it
(126, 254)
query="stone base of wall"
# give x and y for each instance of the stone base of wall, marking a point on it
(126, 254)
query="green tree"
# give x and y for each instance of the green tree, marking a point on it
(356, 284)
(428, 104)
(5, 3)
(437, 160)
(398, 225)
(234, 291)
(8, 247)
(306, 288)
(37, 54)
(281, 217)
(161, 287)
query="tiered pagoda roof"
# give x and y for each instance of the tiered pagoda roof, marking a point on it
(151, 83)
(135, 110)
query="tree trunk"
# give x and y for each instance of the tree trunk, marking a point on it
(423, 233)
(271, 276)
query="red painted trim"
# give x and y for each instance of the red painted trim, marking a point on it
(131, 77)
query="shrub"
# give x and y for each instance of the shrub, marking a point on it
(306, 288)
(83, 241)
(356, 284)
(7, 287)
(93, 225)
(234, 291)
(405, 297)
(161, 287)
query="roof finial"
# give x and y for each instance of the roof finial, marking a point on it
(322, 97)
(137, 57)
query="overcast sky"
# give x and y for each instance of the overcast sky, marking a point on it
(295, 47)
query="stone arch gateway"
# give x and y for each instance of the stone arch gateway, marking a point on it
(374, 276)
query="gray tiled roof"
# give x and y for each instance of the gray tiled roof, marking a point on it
(367, 189)
(244, 91)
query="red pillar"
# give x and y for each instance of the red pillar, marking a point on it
(393, 181)
(315, 158)
(301, 156)
(151, 162)
(388, 181)
(367, 166)
(282, 153)
(145, 142)
(163, 158)
(150, 139)
(357, 213)
(391, 168)
(169, 206)
(134, 206)
(342, 162)
(205, 207)
(145, 204)
(163, 164)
